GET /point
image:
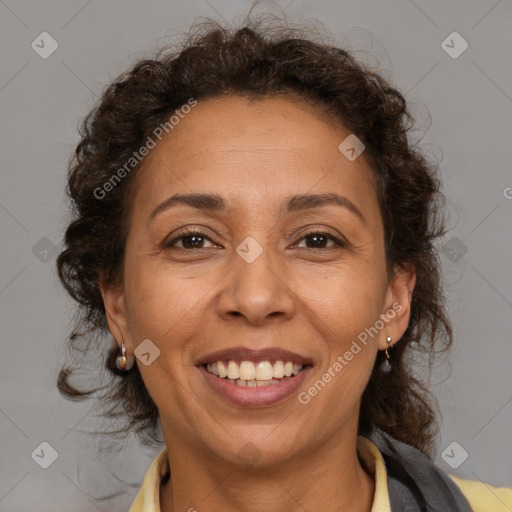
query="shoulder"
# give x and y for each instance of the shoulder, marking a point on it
(484, 497)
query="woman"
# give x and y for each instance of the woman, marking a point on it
(257, 233)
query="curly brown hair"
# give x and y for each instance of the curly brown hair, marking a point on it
(258, 60)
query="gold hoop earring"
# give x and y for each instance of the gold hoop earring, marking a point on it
(124, 363)
(386, 366)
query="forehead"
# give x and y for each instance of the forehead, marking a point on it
(259, 150)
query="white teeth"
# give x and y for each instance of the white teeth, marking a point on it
(247, 370)
(222, 370)
(255, 383)
(264, 371)
(233, 370)
(278, 370)
(251, 374)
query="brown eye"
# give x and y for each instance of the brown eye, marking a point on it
(319, 240)
(190, 239)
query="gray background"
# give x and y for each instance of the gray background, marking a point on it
(469, 99)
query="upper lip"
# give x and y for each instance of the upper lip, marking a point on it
(247, 354)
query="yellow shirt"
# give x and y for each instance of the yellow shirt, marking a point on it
(481, 496)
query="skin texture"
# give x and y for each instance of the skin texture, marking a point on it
(296, 296)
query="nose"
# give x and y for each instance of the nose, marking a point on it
(257, 291)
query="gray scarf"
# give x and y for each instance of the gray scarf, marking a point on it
(415, 483)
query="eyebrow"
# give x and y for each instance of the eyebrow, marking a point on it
(212, 202)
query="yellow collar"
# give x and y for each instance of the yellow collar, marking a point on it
(148, 497)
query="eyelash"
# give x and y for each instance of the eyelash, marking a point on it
(186, 233)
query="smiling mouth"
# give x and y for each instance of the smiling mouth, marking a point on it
(254, 374)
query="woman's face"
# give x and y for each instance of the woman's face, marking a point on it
(253, 284)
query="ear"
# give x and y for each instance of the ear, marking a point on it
(115, 308)
(398, 306)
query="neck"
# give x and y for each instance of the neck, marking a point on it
(329, 479)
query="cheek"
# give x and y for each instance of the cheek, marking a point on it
(342, 316)
(342, 312)
(346, 302)
(165, 309)
(165, 305)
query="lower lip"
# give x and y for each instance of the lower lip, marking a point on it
(255, 396)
